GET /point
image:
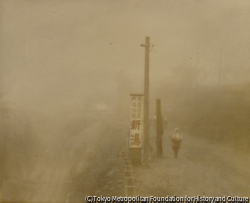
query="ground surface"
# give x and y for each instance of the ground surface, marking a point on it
(202, 168)
(88, 164)
(73, 166)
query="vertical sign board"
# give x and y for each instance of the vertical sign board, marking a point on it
(136, 122)
(136, 136)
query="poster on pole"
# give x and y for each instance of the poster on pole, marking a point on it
(136, 121)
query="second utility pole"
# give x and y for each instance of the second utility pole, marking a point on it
(146, 101)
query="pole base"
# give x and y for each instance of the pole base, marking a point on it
(135, 156)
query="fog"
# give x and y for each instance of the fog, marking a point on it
(60, 53)
(67, 69)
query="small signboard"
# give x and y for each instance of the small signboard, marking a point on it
(136, 121)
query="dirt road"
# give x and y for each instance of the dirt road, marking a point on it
(74, 165)
(202, 168)
(86, 164)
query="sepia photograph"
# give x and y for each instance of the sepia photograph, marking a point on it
(124, 101)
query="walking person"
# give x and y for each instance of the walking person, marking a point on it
(176, 139)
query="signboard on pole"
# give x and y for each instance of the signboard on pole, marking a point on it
(136, 121)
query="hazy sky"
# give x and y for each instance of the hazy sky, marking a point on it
(58, 52)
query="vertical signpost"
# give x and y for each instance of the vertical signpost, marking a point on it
(136, 128)
(139, 124)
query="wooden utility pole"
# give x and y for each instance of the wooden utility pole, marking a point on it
(159, 128)
(146, 100)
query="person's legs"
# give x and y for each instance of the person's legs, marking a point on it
(175, 151)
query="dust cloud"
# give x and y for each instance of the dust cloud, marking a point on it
(67, 69)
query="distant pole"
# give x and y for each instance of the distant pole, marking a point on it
(146, 100)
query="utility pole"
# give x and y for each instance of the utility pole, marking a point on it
(146, 101)
(159, 128)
